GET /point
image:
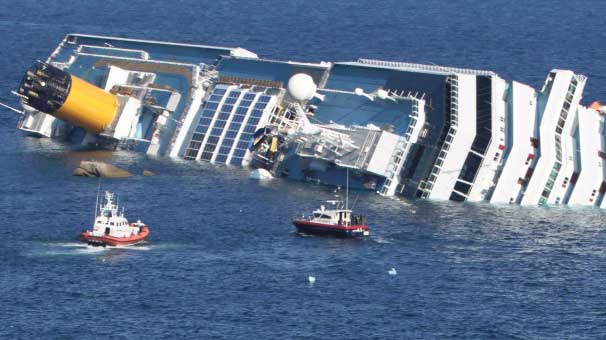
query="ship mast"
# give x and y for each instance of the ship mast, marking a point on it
(97, 202)
(346, 188)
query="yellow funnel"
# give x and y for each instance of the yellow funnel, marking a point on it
(88, 106)
(67, 97)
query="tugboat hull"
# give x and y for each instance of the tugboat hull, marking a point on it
(107, 240)
(314, 228)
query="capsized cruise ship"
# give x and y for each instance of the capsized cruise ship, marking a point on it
(398, 128)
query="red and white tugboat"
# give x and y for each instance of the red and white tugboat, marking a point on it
(111, 228)
(338, 222)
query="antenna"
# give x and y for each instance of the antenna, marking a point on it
(97, 200)
(355, 201)
(12, 108)
(346, 188)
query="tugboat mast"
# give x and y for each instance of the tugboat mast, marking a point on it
(97, 202)
(346, 188)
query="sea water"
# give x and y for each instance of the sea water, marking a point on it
(223, 260)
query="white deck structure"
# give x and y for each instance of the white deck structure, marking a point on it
(592, 165)
(559, 101)
(523, 107)
(459, 139)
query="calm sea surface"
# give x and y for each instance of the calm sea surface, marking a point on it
(223, 262)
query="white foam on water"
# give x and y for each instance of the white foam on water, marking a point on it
(382, 240)
(65, 251)
(161, 246)
(91, 250)
(303, 234)
(69, 245)
(80, 248)
(142, 248)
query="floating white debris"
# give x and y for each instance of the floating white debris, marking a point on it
(392, 271)
(311, 279)
(261, 174)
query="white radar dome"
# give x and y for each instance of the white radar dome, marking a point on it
(302, 87)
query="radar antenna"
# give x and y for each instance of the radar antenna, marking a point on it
(97, 200)
(346, 188)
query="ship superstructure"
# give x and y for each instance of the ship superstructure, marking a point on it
(398, 128)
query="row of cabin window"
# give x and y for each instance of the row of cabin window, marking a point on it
(112, 223)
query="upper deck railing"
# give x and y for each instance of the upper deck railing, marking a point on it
(424, 67)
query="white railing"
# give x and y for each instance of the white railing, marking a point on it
(424, 67)
(398, 156)
(142, 53)
(454, 122)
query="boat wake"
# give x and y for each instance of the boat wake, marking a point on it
(78, 248)
(62, 249)
(136, 247)
(68, 245)
(382, 240)
(90, 250)
(303, 234)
